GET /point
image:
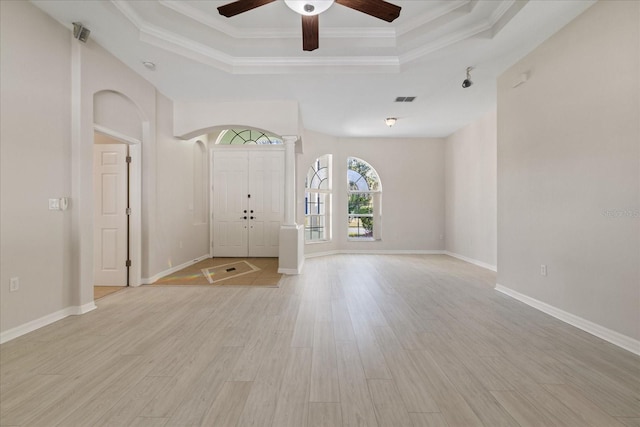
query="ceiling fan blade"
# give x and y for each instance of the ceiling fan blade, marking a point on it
(376, 8)
(240, 6)
(310, 32)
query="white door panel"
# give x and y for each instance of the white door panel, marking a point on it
(266, 182)
(247, 184)
(110, 218)
(229, 204)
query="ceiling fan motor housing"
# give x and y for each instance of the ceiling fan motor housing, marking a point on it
(309, 7)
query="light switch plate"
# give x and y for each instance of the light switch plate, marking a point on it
(54, 204)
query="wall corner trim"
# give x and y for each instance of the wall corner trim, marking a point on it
(472, 261)
(43, 321)
(599, 331)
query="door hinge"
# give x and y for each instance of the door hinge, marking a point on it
(128, 263)
(128, 159)
(128, 211)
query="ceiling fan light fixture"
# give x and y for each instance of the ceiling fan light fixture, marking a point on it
(309, 7)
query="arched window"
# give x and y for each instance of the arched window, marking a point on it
(317, 201)
(365, 196)
(247, 137)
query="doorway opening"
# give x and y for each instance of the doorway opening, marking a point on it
(117, 219)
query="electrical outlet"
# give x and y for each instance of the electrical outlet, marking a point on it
(14, 285)
(543, 269)
(54, 204)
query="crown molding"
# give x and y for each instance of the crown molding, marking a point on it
(188, 48)
(445, 9)
(271, 33)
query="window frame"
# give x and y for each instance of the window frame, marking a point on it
(326, 195)
(376, 203)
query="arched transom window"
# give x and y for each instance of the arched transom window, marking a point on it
(365, 196)
(247, 137)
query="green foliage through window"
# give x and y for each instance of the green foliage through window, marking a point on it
(363, 189)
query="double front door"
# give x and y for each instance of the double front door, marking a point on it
(247, 202)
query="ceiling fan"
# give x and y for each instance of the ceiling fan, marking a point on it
(310, 9)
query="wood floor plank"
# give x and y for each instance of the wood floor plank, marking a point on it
(525, 413)
(479, 398)
(357, 407)
(354, 340)
(263, 397)
(342, 327)
(373, 362)
(588, 413)
(228, 405)
(324, 415)
(413, 388)
(293, 397)
(196, 400)
(260, 343)
(304, 325)
(131, 403)
(148, 422)
(424, 419)
(451, 403)
(629, 422)
(390, 410)
(324, 370)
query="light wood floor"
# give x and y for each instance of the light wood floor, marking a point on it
(357, 340)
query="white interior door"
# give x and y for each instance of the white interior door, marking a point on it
(247, 202)
(110, 218)
(229, 204)
(266, 205)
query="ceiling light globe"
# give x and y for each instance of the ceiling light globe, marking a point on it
(309, 7)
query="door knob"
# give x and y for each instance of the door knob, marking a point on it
(243, 217)
(252, 217)
(245, 211)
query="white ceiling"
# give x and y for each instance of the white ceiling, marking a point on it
(348, 86)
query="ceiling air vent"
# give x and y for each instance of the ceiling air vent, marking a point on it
(405, 98)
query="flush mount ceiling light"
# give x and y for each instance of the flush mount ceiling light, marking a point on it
(467, 82)
(149, 65)
(309, 7)
(390, 121)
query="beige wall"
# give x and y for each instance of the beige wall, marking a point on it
(470, 188)
(35, 163)
(568, 170)
(180, 236)
(412, 174)
(47, 138)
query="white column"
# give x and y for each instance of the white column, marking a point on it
(290, 180)
(291, 253)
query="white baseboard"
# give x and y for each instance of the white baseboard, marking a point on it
(292, 271)
(472, 261)
(374, 252)
(45, 320)
(155, 278)
(599, 331)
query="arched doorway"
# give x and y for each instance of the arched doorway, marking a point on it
(118, 127)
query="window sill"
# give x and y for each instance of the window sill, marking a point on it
(316, 242)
